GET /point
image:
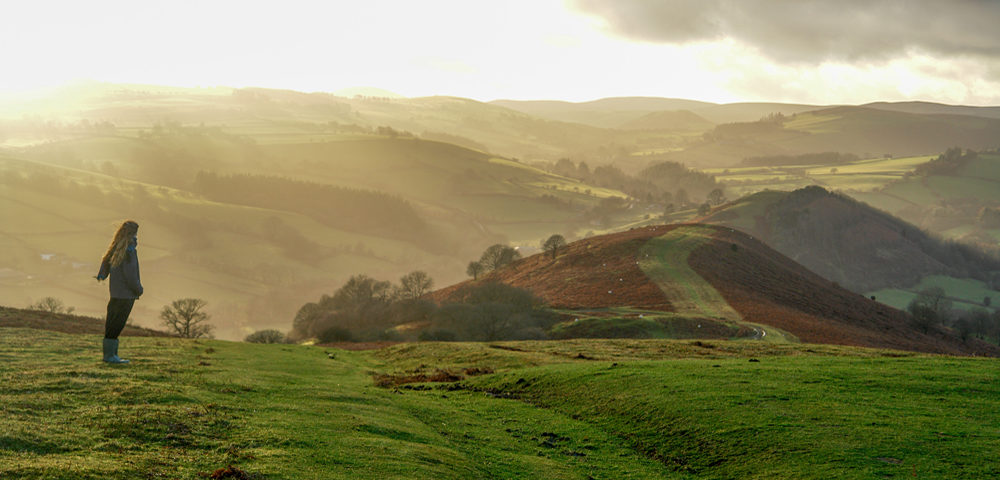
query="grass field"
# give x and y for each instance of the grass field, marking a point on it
(864, 175)
(965, 293)
(570, 409)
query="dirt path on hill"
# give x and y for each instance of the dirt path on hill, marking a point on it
(664, 259)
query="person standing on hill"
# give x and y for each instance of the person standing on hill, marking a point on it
(121, 263)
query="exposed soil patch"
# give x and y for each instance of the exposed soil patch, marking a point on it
(386, 380)
(231, 472)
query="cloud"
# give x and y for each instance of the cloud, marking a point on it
(813, 31)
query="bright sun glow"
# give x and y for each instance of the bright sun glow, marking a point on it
(526, 49)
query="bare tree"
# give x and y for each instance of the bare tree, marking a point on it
(185, 318)
(498, 255)
(51, 305)
(414, 285)
(474, 270)
(553, 244)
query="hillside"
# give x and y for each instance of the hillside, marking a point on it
(618, 112)
(847, 241)
(720, 275)
(936, 109)
(603, 113)
(66, 323)
(673, 120)
(866, 132)
(603, 409)
(256, 229)
(948, 201)
(281, 116)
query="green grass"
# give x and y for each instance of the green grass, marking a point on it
(183, 408)
(865, 175)
(984, 167)
(966, 293)
(648, 325)
(573, 409)
(664, 260)
(786, 417)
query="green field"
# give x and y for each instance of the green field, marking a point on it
(569, 409)
(965, 293)
(864, 175)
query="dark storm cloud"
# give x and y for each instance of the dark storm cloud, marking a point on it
(811, 31)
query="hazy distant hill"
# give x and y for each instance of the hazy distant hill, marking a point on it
(366, 92)
(673, 120)
(931, 108)
(717, 274)
(750, 111)
(271, 224)
(617, 112)
(866, 132)
(846, 241)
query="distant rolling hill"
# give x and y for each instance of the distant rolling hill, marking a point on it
(867, 132)
(674, 120)
(603, 113)
(849, 242)
(621, 111)
(721, 276)
(931, 108)
(270, 224)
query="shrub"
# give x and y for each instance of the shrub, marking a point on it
(265, 336)
(335, 334)
(51, 305)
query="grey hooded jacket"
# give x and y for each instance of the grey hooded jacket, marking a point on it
(124, 281)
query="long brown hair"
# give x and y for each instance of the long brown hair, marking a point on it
(119, 243)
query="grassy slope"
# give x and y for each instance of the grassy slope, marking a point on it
(662, 409)
(664, 260)
(790, 417)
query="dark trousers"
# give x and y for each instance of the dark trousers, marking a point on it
(118, 310)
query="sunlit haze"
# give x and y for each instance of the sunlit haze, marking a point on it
(581, 50)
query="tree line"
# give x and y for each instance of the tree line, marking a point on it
(664, 182)
(366, 309)
(932, 309)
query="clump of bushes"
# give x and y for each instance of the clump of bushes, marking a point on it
(266, 336)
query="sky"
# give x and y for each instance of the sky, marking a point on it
(797, 51)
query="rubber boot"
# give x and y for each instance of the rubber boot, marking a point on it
(111, 351)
